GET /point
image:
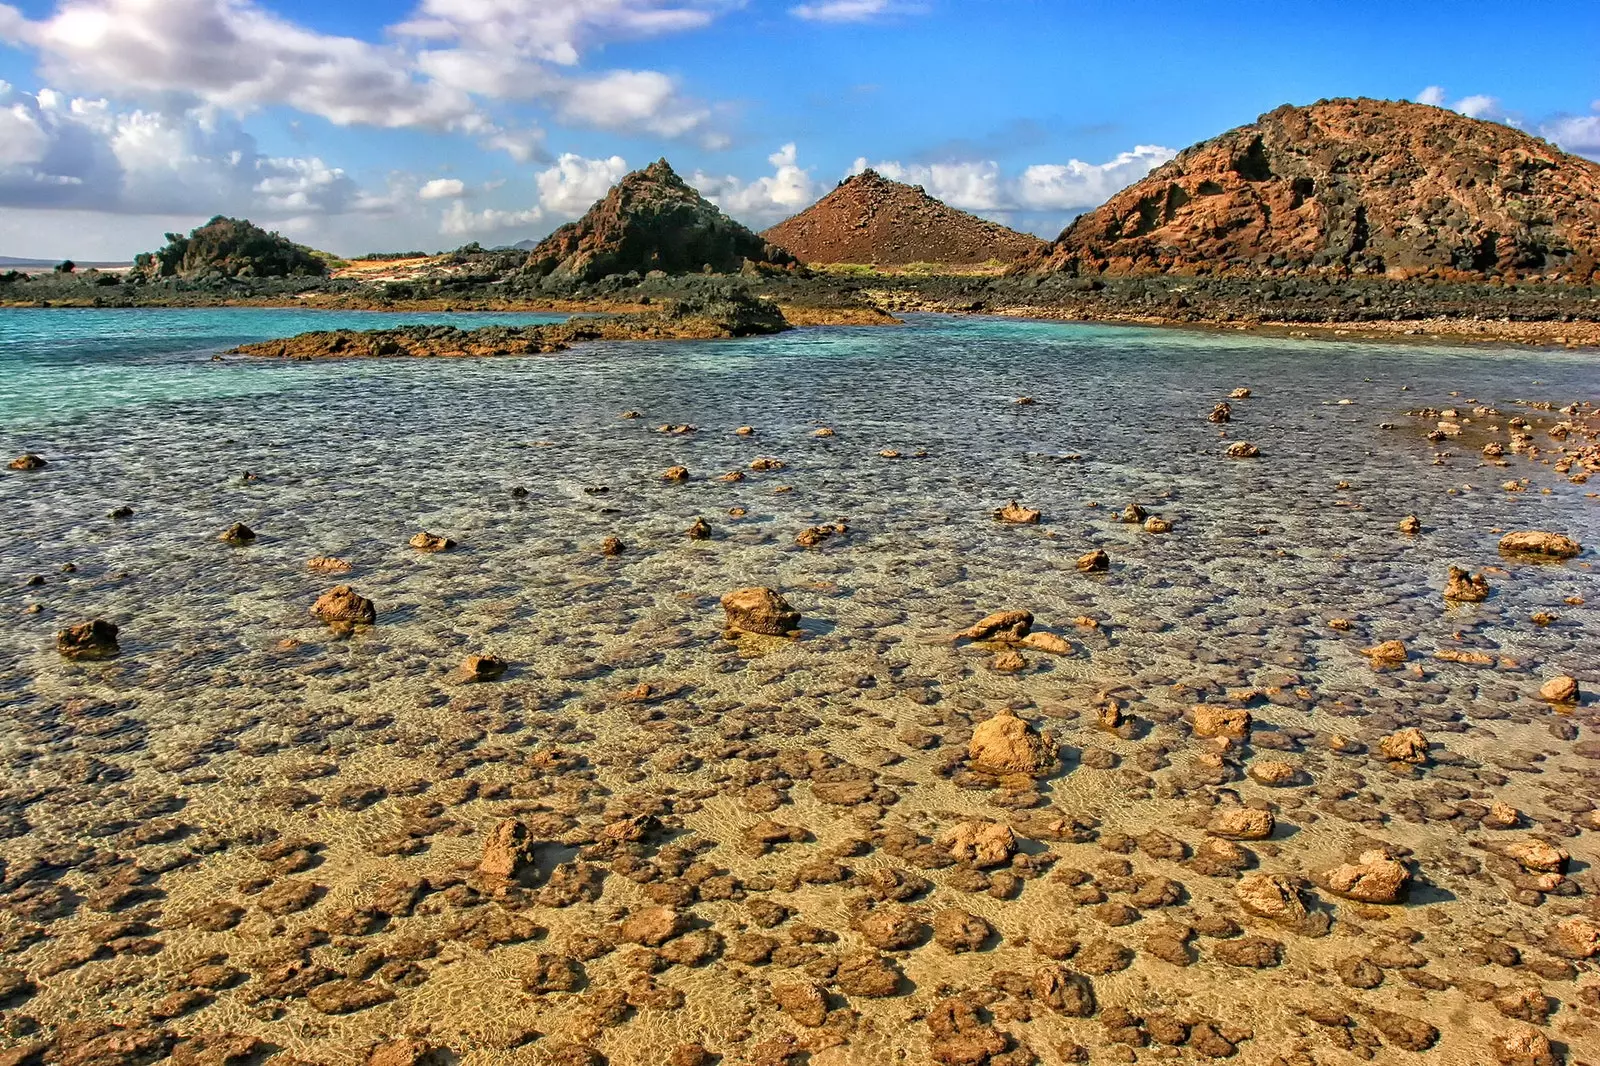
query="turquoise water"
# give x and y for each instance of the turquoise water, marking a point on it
(61, 363)
(232, 716)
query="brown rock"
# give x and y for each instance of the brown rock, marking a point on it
(327, 564)
(1537, 856)
(431, 542)
(347, 997)
(1002, 626)
(867, 974)
(238, 535)
(1243, 449)
(407, 1051)
(1406, 745)
(508, 850)
(1373, 878)
(1576, 937)
(654, 926)
(958, 1037)
(979, 843)
(1272, 897)
(343, 605)
(92, 640)
(1016, 513)
(892, 927)
(1049, 643)
(1210, 720)
(1221, 413)
(612, 546)
(1524, 1046)
(1539, 545)
(481, 668)
(802, 1001)
(28, 461)
(1562, 689)
(1064, 991)
(1390, 653)
(1462, 587)
(760, 610)
(1403, 1031)
(699, 529)
(1007, 744)
(1095, 562)
(677, 474)
(1410, 525)
(1241, 823)
(957, 931)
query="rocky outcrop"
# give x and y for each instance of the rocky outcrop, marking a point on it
(1352, 187)
(652, 220)
(230, 248)
(1539, 544)
(870, 219)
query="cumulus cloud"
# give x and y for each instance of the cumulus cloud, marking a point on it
(64, 152)
(461, 221)
(1575, 133)
(555, 31)
(981, 186)
(1477, 105)
(852, 10)
(571, 187)
(1433, 96)
(788, 190)
(442, 189)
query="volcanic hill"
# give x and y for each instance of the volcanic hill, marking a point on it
(870, 219)
(1352, 186)
(651, 220)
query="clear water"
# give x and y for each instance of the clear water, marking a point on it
(211, 715)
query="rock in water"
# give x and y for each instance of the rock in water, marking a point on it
(980, 843)
(1212, 721)
(431, 542)
(1243, 449)
(238, 535)
(1462, 587)
(508, 850)
(760, 610)
(1562, 689)
(28, 461)
(1406, 745)
(1002, 625)
(1015, 513)
(1372, 878)
(481, 668)
(343, 604)
(1221, 413)
(1007, 744)
(1311, 190)
(651, 220)
(1095, 562)
(95, 639)
(1539, 544)
(1410, 525)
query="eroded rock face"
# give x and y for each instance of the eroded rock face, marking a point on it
(1539, 544)
(1306, 190)
(651, 220)
(1373, 878)
(343, 604)
(1007, 744)
(760, 610)
(92, 640)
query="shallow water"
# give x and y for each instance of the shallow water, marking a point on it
(207, 721)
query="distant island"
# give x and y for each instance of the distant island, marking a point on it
(1357, 216)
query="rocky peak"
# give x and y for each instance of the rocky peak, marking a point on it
(1352, 186)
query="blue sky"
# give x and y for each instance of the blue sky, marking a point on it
(358, 125)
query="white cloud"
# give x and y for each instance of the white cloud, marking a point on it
(852, 10)
(442, 189)
(1478, 105)
(982, 187)
(460, 221)
(759, 203)
(571, 187)
(555, 31)
(1433, 96)
(630, 101)
(1575, 133)
(61, 152)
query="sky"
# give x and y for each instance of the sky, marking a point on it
(393, 125)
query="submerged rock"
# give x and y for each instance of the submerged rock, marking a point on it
(1095, 562)
(1007, 744)
(1405, 745)
(1210, 720)
(1243, 449)
(343, 604)
(760, 610)
(1002, 625)
(238, 535)
(481, 668)
(979, 843)
(1561, 689)
(327, 564)
(28, 461)
(431, 542)
(1540, 545)
(1015, 513)
(1463, 587)
(1373, 878)
(1047, 642)
(92, 640)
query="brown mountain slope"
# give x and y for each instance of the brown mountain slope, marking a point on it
(1357, 186)
(651, 220)
(870, 219)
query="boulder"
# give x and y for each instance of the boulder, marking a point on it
(1410, 525)
(1243, 449)
(1095, 562)
(28, 461)
(1462, 587)
(481, 668)
(1272, 897)
(1405, 745)
(238, 535)
(92, 640)
(1388, 654)
(979, 843)
(431, 542)
(1538, 856)
(1561, 689)
(1221, 413)
(1002, 625)
(699, 529)
(1241, 823)
(1576, 937)
(1373, 878)
(344, 605)
(675, 474)
(1007, 744)
(507, 851)
(1538, 544)
(611, 546)
(1210, 720)
(760, 610)
(1016, 513)
(1156, 524)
